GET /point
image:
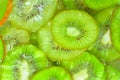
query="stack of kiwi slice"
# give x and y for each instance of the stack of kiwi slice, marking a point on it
(60, 40)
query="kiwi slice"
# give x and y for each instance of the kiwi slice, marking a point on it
(74, 29)
(100, 4)
(5, 9)
(104, 16)
(2, 49)
(13, 36)
(85, 67)
(115, 29)
(52, 49)
(32, 14)
(52, 73)
(103, 48)
(22, 62)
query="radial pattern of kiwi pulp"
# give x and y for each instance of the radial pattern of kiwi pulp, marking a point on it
(103, 48)
(115, 29)
(52, 49)
(85, 67)
(60, 40)
(32, 14)
(100, 4)
(74, 29)
(22, 62)
(52, 73)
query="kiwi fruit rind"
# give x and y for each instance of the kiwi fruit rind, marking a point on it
(74, 29)
(100, 4)
(13, 36)
(52, 73)
(22, 62)
(115, 29)
(52, 49)
(85, 67)
(2, 50)
(32, 14)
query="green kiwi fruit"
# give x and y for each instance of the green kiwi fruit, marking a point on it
(103, 48)
(13, 36)
(2, 50)
(60, 6)
(112, 73)
(52, 73)
(100, 4)
(52, 49)
(115, 29)
(22, 62)
(74, 29)
(103, 17)
(32, 14)
(85, 67)
(33, 38)
(77, 4)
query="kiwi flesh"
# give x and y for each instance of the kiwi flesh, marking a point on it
(22, 62)
(77, 5)
(100, 4)
(32, 14)
(85, 67)
(13, 36)
(115, 29)
(74, 29)
(103, 48)
(52, 49)
(112, 73)
(52, 73)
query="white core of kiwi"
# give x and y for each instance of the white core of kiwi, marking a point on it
(24, 70)
(72, 31)
(106, 40)
(81, 75)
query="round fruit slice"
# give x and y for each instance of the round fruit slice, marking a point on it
(13, 36)
(74, 29)
(52, 73)
(2, 49)
(32, 14)
(115, 29)
(85, 67)
(5, 9)
(22, 62)
(52, 49)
